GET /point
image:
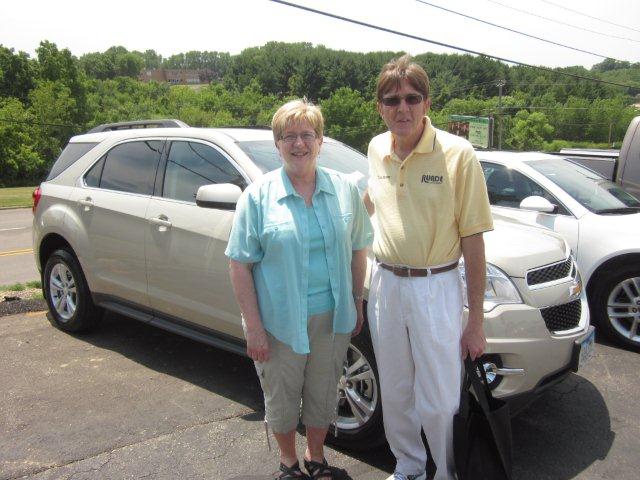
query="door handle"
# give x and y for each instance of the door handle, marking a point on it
(87, 203)
(161, 221)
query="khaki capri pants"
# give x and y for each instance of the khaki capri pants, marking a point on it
(288, 377)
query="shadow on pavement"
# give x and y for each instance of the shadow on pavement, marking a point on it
(557, 437)
(212, 369)
(562, 433)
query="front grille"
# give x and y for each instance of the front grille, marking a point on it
(549, 273)
(562, 317)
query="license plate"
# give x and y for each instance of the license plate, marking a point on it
(586, 349)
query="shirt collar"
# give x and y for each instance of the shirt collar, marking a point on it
(425, 144)
(428, 139)
(323, 183)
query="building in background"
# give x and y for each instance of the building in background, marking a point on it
(178, 76)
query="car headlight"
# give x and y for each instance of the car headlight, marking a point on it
(499, 289)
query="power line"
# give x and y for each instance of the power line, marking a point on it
(562, 23)
(466, 50)
(589, 16)
(513, 31)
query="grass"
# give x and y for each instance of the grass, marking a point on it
(16, 197)
(19, 287)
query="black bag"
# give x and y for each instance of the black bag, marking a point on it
(482, 440)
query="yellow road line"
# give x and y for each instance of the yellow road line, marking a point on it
(16, 252)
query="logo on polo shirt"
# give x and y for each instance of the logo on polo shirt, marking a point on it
(432, 179)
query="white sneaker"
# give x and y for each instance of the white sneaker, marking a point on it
(402, 476)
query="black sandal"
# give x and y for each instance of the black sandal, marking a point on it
(291, 473)
(322, 470)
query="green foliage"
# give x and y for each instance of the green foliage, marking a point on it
(350, 118)
(16, 74)
(529, 131)
(46, 100)
(19, 160)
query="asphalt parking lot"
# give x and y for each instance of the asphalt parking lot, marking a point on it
(131, 401)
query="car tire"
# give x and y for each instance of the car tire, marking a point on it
(616, 306)
(359, 423)
(68, 297)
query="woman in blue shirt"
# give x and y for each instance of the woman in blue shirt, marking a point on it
(298, 260)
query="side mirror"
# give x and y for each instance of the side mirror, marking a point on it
(223, 196)
(535, 203)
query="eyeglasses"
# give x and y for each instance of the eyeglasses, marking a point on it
(394, 100)
(306, 137)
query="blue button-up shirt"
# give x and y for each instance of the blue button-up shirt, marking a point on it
(271, 229)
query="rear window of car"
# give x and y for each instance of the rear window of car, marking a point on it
(131, 167)
(71, 153)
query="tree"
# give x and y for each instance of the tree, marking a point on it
(60, 66)
(19, 161)
(529, 131)
(350, 118)
(17, 74)
(51, 110)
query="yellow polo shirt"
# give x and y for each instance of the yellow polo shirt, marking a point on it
(427, 202)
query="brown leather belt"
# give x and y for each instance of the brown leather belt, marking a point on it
(416, 272)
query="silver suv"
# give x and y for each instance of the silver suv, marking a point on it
(136, 221)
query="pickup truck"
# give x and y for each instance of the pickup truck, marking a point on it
(621, 166)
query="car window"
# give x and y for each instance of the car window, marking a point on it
(71, 153)
(191, 165)
(333, 155)
(592, 191)
(131, 167)
(92, 177)
(507, 187)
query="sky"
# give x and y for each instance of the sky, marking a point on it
(171, 27)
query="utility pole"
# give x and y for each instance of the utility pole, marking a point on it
(500, 84)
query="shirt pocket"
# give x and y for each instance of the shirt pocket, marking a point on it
(279, 235)
(342, 222)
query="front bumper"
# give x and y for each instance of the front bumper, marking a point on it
(521, 342)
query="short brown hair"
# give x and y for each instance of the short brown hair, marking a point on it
(295, 111)
(400, 69)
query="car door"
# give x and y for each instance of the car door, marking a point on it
(187, 270)
(111, 205)
(507, 187)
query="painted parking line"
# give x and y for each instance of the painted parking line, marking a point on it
(16, 252)
(12, 228)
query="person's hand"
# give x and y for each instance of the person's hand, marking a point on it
(473, 341)
(359, 318)
(257, 344)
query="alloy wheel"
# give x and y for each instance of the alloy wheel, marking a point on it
(623, 309)
(62, 291)
(357, 390)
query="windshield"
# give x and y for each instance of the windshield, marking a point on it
(587, 187)
(335, 156)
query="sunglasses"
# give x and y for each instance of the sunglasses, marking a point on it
(394, 100)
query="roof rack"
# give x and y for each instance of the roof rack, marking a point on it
(159, 123)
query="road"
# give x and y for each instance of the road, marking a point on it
(16, 256)
(131, 401)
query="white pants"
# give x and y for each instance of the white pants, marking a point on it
(416, 326)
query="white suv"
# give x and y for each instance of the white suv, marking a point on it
(136, 221)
